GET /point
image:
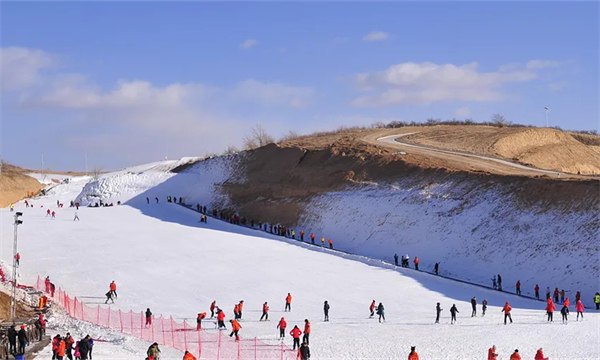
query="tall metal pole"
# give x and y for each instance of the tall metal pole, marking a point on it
(14, 289)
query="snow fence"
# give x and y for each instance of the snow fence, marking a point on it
(168, 332)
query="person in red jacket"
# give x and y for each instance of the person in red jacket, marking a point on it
(518, 287)
(199, 319)
(539, 355)
(213, 306)
(413, 354)
(236, 311)
(69, 341)
(492, 355)
(537, 291)
(282, 325)
(221, 319)
(550, 309)
(330, 243)
(296, 332)
(235, 327)
(240, 308)
(579, 307)
(567, 302)
(113, 289)
(306, 332)
(188, 356)
(556, 293)
(265, 312)
(515, 355)
(372, 309)
(288, 302)
(506, 309)
(312, 238)
(416, 261)
(301, 235)
(62, 348)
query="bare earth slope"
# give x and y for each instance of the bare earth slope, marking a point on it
(14, 185)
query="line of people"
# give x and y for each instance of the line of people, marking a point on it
(493, 354)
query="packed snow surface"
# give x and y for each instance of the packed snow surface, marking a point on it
(162, 258)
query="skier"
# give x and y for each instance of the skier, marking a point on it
(199, 321)
(381, 312)
(281, 326)
(76, 218)
(416, 261)
(438, 310)
(436, 268)
(564, 311)
(48, 212)
(550, 309)
(453, 311)
(148, 317)
(306, 332)
(113, 289)
(579, 307)
(55, 343)
(537, 291)
(518, 287)
(326, 311)
(506, 309)
(156, 198)
(483, 307)
(188, 356)
(53, 214)
(221, 319)
(396, 259)
(474, 306)
(293, 234)
(265, 312)
(304, 352)
(372, 309)
(61, 349)
(296, 332)
(597, 301)
(235, 327)
(539, 355)
(288, 303)
(413, 354)
(499, 282)
(492, 355)
(213, 305)
(515, 355)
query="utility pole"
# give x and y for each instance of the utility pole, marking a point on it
(13, 301)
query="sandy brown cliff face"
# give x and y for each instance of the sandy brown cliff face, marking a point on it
(15, 185)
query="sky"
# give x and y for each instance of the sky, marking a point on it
(104, 85)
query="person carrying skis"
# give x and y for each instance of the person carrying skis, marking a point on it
(413, 354)
(306, 332)
(281, 326)
(372, 309)
(579, 307)
(199, 319)
(213, 305)
(483, 307)
(188, 356)
(265, 312)
(381, 312)
(518, 287)
(492, 355)
(304, 352)
(515, 355)
(296, 332)
(550, 309)
(148, 317)
(506, 309)
(453, 311)
(288, 302)
(221, 319)
(235, 328)
(539, 355)
(438, 311)
(326, 311)
(474, 306)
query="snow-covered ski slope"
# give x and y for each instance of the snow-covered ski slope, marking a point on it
(161, 257)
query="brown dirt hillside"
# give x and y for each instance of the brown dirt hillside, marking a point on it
(14, 184)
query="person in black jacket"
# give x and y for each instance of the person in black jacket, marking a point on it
(438, 310)
(304, 352)
(453, 311)
(22, 335)
(12, 339)
(474, 306)
(381, 312)
(326, 310)
(84, 348)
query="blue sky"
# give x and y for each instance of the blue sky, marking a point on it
(127, 83)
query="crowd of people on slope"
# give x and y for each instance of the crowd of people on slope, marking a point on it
(67, 346)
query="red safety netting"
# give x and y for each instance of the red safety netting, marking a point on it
(168, 332)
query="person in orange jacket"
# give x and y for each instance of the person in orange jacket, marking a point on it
(550, 309)
(515, 355)
(296, 332)
(372, 309)
(240, 308)
(416, 261)
(330, 243)
(539, 355)
(506, 309)
(199, 320)
(61, 349)
(221, 319)
(236, 311)
(312, 238)
(113, 289)
(265, 312)
(567, 302)
(492, 355)
(288, 302)
(188, 356)
(235, 327)
(413, 354)
(306, 332)
(282, 325)
(213, 306)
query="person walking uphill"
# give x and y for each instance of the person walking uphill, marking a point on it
(413, 354)
(326, 311)
(235, 328)
(288, 302)
(453, 311)
(296, 332)
(506, 309)
(381, 312)
(281, 326)
(438, 311)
